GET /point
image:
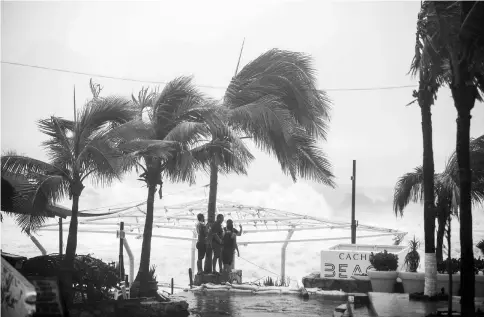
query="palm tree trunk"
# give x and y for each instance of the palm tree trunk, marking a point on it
(464, 101)
(68, 261)
(442, 220)
(144, 267)
(425, 100)
(212, 206)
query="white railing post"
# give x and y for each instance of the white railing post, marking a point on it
(192, 257)
(131, 260)
(283, 255)
(37, 244)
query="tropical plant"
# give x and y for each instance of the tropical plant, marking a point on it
(274, 102)
(77, 150)
(177, 133)
(384, 261)
(412, 258)
(409, 188)
(455, 35)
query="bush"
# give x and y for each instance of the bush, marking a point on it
(384, 261)
(478, 265)
(442, 267)
(91, 276)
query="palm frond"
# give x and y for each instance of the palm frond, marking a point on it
(29, 167)
(28, 203)
(409, 188)
(178, 93)
(288, 77)
(59, 146)
(100, 115)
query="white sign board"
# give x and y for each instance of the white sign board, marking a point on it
(343, 264)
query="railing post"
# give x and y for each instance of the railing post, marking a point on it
(121, 258)
(283, 255)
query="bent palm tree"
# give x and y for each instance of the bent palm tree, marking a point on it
(17, 196)
(273, 101)
(409, 188)
(455, 31)
(77, 150)
(182, 134)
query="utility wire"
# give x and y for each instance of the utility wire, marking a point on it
(203, 86)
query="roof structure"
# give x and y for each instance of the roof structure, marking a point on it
(178, 223)
(253, 218)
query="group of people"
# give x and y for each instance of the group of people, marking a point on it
(221, 240)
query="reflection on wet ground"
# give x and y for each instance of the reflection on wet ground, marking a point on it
(226, 304)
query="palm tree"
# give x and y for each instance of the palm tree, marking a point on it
(77, 150)
(181, 133)
(409, 188)
(274, 102)
(455, 31)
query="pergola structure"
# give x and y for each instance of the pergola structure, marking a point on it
(255, 219)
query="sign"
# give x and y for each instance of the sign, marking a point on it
(343, 264)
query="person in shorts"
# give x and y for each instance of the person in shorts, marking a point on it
(201, 233)
(217, 243)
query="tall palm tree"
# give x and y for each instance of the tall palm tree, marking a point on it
(273, 101)
(181, 132)
(455, 31)
(427, 65)
(409, 188)
(77, 150)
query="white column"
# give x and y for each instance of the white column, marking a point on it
(37, 244)
(192, 259)
(283, 254)
(131, 260)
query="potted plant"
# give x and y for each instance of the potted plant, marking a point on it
(413, 282)
(443, 276)
(383, 277)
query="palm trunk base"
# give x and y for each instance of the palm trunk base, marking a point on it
(430, 274)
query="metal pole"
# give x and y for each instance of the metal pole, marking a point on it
(353, 194)
(121, 258)
(61, 243)
(172, 286)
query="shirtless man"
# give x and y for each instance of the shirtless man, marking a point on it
(201, 233)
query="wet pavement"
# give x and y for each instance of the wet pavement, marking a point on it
(227, 304)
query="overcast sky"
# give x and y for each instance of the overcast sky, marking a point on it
(353, 44)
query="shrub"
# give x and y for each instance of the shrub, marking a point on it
(480, 246)
(478, 265)
(91, 276)
(412, 259)
(153, 273)
(384, 261)
(442, 266)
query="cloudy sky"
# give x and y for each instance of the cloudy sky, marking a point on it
(353, 44)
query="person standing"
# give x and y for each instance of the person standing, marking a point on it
(229, 245)
(217, 243)
(201, 233)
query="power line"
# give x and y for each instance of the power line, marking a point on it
(203, 86)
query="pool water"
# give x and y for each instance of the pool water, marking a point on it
(227, 304)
